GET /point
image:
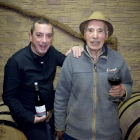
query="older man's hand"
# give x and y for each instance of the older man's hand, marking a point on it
(60, 134)
(117, 91)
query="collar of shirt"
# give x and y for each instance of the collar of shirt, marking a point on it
(103, 50)
(40, 59)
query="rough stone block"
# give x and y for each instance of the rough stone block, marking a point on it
(132, 8)
(10, 34)
(53, 2)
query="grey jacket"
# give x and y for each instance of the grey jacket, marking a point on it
(81, 104)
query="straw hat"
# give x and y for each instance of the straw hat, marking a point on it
(97, 16)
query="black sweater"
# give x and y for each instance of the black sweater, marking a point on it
(21, 71)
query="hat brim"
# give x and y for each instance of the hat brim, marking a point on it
(109, 25)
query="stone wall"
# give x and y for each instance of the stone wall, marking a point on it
(123, 14)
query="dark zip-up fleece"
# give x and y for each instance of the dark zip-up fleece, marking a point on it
(21, 71)
(81, 104)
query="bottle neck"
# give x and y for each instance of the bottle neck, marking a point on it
(36, 88)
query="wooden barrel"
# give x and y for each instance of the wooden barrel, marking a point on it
(8, 130)
(129, 116)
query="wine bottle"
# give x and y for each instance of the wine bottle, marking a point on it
(39, 102)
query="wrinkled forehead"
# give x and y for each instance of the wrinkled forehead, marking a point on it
(96, 23)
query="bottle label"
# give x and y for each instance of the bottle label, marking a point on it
(40, 110)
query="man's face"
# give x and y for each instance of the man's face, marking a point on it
(41, 38)
(95, 35)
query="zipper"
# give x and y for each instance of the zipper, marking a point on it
(94, 99)
(95, 68)
(94, 95)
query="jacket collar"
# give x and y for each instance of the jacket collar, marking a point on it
(104, 55)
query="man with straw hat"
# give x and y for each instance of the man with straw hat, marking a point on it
(82, 109)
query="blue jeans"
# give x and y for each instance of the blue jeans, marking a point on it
(67, 137)
(51, 128)
(36, 131)
(50, 135)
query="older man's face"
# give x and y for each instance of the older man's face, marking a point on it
(95, 35)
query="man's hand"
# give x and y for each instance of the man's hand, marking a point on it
(49, 117)
(77, 50)
(60, 134)
(117, 91)
(41, 119)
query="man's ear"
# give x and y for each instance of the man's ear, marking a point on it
(30, 36)
(84, 34)
(52, 36)
(106, 35)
